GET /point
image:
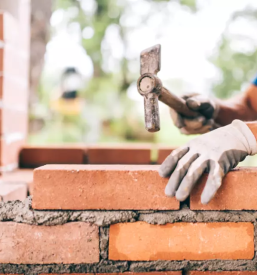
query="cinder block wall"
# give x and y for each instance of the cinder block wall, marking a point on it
(115, 219)
(14, 79)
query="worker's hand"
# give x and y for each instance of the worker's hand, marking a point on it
(208, 110)
(216, 152)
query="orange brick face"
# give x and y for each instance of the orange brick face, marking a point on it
(68, 243)
(181, 241)
(127, 154)
(238, 192)
(100, 187)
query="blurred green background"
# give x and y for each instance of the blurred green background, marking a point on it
(208, 46)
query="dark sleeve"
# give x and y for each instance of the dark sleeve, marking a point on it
(255, 81)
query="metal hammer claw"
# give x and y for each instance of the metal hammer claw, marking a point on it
(150, 86)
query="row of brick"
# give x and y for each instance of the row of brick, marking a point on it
(17, 184)
(78, 242)
(35, 156)
(132, 187)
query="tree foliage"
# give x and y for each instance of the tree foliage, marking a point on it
(237, 54)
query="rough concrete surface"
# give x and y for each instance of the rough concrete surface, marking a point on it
(22, 212)
(211, 265)
(101, 267)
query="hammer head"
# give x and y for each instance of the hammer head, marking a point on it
(149, 86)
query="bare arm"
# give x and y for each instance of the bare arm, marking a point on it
(243, 107)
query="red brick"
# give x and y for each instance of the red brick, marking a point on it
(181, 241)
(20, 176)
(12, 191)
(69, 243)
(163, 152)
(119, 154)
(222, 273)
(14, 93)
(238, 192)
(13, 121)
(100, 187)
(14, 62)
(10, 147)
(24, 25)
(33, 157)
(8, 28)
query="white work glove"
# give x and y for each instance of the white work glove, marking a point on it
(208, 110)
(216, 152)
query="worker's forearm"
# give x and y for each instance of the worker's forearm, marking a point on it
(243, 107)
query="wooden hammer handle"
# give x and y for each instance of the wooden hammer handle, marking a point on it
(176, 103)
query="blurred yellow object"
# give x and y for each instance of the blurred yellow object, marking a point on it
(69, 107)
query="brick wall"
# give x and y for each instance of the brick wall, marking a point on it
(115, 218)
(14, 79)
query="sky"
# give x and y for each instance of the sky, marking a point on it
(187, 40)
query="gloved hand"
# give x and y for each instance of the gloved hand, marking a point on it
(216, 152)
(208, 110)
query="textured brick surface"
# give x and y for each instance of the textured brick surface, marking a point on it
(32, 157)
(12, 191)
(238, 192)
(163, 152)
(201, 241)
(119, 154)
(100, 187)
(68, 243)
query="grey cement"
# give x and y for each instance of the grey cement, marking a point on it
(211, 265)
(105, 266)
(101, 267)
(22, 212)
(104, 242)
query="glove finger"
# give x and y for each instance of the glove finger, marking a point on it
(171, 161)
(213, 183)
(194, 123)
(195, 171)
(179, 173)
(176, 118)
(201, 104)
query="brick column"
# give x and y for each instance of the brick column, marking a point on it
(14, 79)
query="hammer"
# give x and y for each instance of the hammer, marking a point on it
(150, 87)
